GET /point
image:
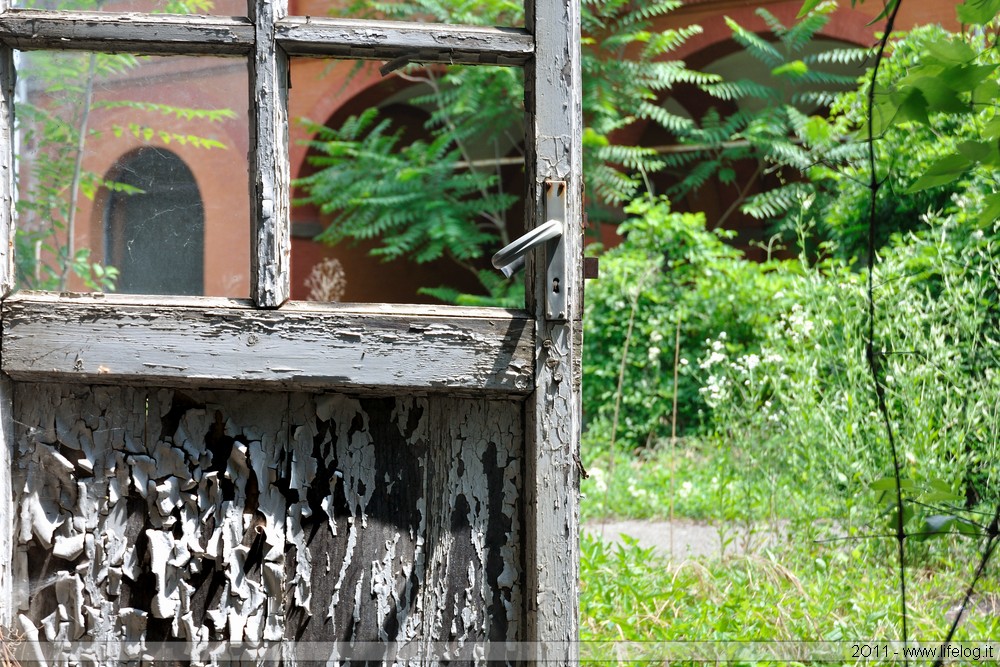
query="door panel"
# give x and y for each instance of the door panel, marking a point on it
(175, 515)
(200, 493)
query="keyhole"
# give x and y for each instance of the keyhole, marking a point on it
(555, 286)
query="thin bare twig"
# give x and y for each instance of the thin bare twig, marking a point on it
(992, 532)
(875, 358)
(74, 195)
(673, 431)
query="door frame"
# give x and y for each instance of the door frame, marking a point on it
(531, 356)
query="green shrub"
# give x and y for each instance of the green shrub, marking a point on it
(668, 272)
(934, 104)
(773, 372)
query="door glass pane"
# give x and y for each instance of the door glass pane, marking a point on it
(156, 236)
(508, 13)
(404, 186)
(132, 174)
(207, 7)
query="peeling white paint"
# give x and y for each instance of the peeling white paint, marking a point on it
(141, 541)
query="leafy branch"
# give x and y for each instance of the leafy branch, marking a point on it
(445, 195)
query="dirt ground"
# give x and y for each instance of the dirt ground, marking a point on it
(684, 539)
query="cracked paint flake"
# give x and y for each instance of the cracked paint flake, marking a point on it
(263, 517)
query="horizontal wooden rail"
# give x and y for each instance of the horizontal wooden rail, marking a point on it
(151, 34)
(161, 34)
(228, 343)
(411, 42)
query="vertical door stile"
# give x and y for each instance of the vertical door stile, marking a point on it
(7, 448)
(7, 276)
(7, 78)
(554, 132)
(270, 274)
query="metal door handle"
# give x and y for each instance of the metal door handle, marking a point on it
(511, 258)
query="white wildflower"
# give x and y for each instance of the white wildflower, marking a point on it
(600, 481)
(636, 492)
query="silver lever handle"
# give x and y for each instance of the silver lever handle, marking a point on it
(510, 258)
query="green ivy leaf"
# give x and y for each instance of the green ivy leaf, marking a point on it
(991, 210)
(940, 96)
(908, 105)
(978, 151)
(944, 171)
(992, 129)
(977, 11)
(889, 484)
(953, 51)
(987, 91)
(939, 524)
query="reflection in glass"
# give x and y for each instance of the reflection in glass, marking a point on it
(416, 178)
(508, 13)
(207, 7)
(132, 174)
(155, 235)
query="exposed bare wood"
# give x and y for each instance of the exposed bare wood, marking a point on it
(554, 146)
(473, 589)
(418, 42)
(137, 33)
(116, 340)
(270, 257)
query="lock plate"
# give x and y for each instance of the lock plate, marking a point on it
(555, 284)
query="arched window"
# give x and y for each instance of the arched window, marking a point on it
(155, 237)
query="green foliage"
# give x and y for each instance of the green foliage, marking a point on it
(777, 127)
(773, 376)
(669, 270)
(934, 95)
(625, 72)
(421, 207)
(792, 443)
(478, 111)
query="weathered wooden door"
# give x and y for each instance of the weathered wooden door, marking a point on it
(292, 480)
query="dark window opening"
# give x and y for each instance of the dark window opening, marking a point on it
(155, 236)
